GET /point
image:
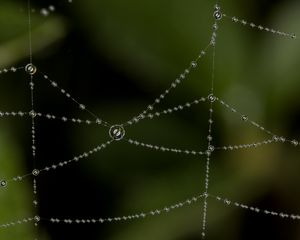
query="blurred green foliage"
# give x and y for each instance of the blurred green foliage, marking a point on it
(149, 43)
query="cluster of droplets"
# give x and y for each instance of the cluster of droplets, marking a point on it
(211, 99)
(30, 69)
(141, 215)
(166, 149)
(260, 27)
(244, 146)
(117, 133)
(11, 69)
(46, 11)
(217, 13)
(36, 172)
(228, 202)
(18, 222)
(13, 114)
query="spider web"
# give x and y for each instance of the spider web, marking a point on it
(117, 132)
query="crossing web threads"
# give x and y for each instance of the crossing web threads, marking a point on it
(117, 133)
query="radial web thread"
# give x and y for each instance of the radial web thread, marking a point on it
(118, 133)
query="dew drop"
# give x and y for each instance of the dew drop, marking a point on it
(211, 148)
(275, 138)
(209, 138)
(3, 183)
(244, 118)
(218, 15)
(51, 8)
(82, 107)
(117, 132)
(32, 114)
(211, 98)
(215, 26)
(235, 19)
(30, 69)
(217, 7)
(37, 218)
(295, 142)
(44, 12)
(35, 172)
(193, 64)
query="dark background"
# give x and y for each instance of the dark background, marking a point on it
(116, 57)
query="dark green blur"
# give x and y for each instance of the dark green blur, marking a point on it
(116, 57)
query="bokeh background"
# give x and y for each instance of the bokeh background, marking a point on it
(116, 57)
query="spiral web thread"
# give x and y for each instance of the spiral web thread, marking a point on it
(119, 131)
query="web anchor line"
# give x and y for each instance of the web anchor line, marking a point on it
(211, 98)
(30, 69)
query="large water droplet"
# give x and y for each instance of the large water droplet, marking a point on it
(117, 132)
(30, 69)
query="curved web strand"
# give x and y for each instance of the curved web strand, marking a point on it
(77, 158)
(245, 146)
(36, 172)
(228, 202)
(260, 27)
(258, 144)
(148, 113)
(66, 119)
(136, 216)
